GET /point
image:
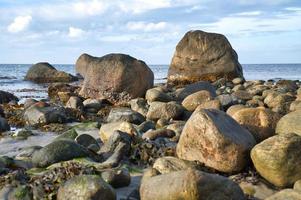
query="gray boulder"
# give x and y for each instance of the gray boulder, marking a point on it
(125, 114)
(86, 187)
(6, 97)
(116, 77)
(189, 184)
(36, 115)
(203, 56)
(57, 151)
(43, 72)
(212, 137)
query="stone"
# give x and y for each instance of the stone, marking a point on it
(257, 190)
(75, 102)
(139, 105)
(57, 151)
(288, 85)
(43, 72)
(177, 127)
(169, 164)
(22, 133)
(61, 91)
(6, 97)
(297, 186)
(286, 194)
(192, 101)
(295, 105)
(106, 130)
(243, 95)
(154, 134)
(156, 94)
(279, 102)
(290, 123)
(145, 126)
(117, 178)
(227, 100)
(162, 123)
(193, 88)
(67, 135)
(203, 56)
(86, 187)
(278, 159)
(125, 114)
(115, 149)
(189, 184)
(29, 102)
(212, 137)
(83, 63)
(86, 140)
(170, 110)
(36, 115)
(238, 80)
(212, 104)
(233, 109)
(20, 192)
(261, 122)
(27, 152)
(4, 126)
(116, 77)
(95, 104)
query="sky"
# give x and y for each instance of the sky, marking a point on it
(59, 31)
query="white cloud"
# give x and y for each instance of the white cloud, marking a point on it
(19, 24)
(145, 26)
(253, 24)
(75, 32)
(140, 6)
(250, 13)
(93, 7)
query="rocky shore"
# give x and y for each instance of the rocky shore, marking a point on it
(205, 134)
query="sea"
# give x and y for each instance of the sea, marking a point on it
(12, 76)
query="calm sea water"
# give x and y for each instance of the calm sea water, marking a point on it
(11, 76)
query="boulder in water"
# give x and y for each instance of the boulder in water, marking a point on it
(203, 56)
(116, 77)
(43, 72)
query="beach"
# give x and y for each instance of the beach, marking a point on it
(113, 127)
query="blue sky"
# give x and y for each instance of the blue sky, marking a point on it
(58, 31)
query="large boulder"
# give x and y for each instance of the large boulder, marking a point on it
(261, 122)
(82, 64)
(6, 97)
(203, 56)
(212, 137)
(189, 184)
(290, 123)
(57, 151)
(116, 77)
(43, 72)
(86, 187)
(278, 159)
